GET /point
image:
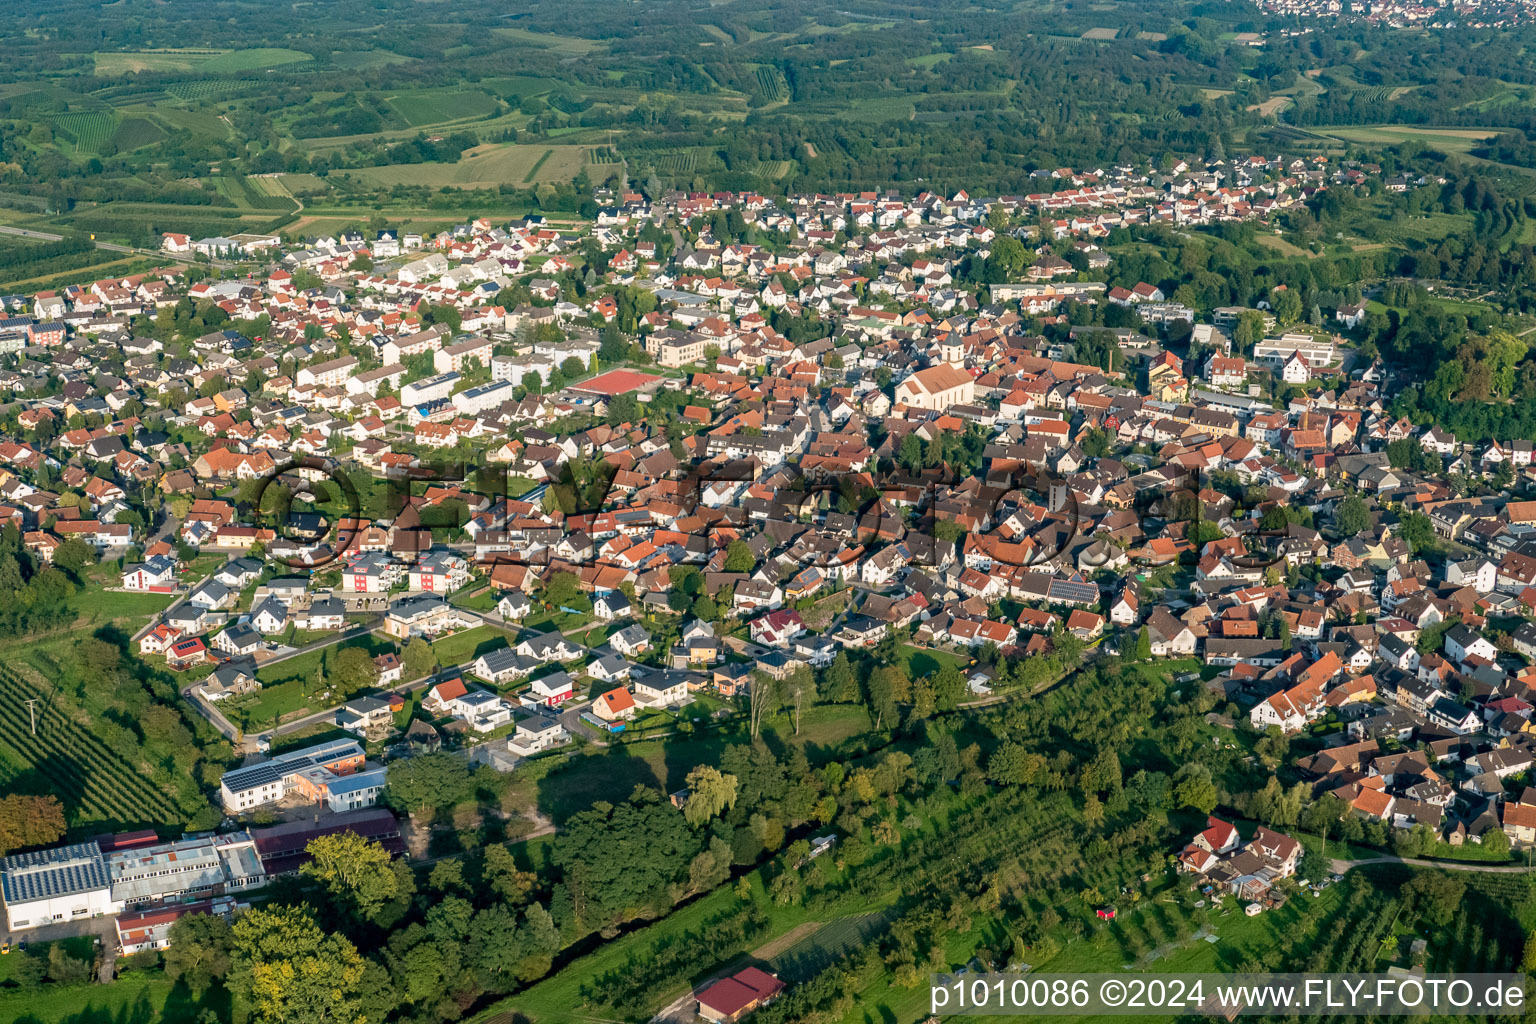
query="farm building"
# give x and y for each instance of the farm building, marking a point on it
(731, 999)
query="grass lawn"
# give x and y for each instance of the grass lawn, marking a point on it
(1167, 669)
(468, 644)
(483, 600)
(827, 725)
(295, 637)
(1282, 246)
(95, 606)
(302, 666)
(594, 635)
(546, 620)
(1238, 936)
(269, 706)
(79, 947)
(707, 704)
(534, 854)
(135, 996)
(924, 661)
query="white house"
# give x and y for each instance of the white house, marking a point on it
(536, 733)
(1350, 316)
(1476, 572)
(155, 574)
(658, 690)
(610, 668)
(269, 617)
(630, 641)
(1462, 643)
(514, 606)
(548, 647)
(554, 689)
(502, 665)
(483, 711)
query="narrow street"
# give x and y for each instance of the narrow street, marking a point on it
(1341, 866)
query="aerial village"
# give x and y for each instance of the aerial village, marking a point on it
(516, 490)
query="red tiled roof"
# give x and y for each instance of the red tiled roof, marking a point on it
(450, 689)
(729, 996)
(618, 700)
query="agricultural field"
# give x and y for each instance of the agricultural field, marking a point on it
(30, 260)
(685, 162)
(259, 59)
(206, 88)
(879, 108)
(518, 85)
(302, 184)
(112, 64)
(1454, 140)
(360, 60)
(419, 109)
(486, 166)
(770, 82)
(255, 193)
(773, 170)
(85, 131)
(549, 41)
(136, 132)
(213, 62)
(95, 784)
(205, 123)
(826, 944)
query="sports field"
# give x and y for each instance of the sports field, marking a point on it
(616, 382)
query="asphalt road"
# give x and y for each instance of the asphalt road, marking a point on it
(517, 632)
(42, 236)
(1341, 866)
(45, 236)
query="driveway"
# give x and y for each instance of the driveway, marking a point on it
(746, 648)
(103, 928)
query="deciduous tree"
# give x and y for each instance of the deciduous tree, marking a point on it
(29, 821)
(199, 951)
(710, 792)
(287, 970)
(355, 872)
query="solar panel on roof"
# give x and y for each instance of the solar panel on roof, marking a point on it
(46, 874)
(274, 770)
